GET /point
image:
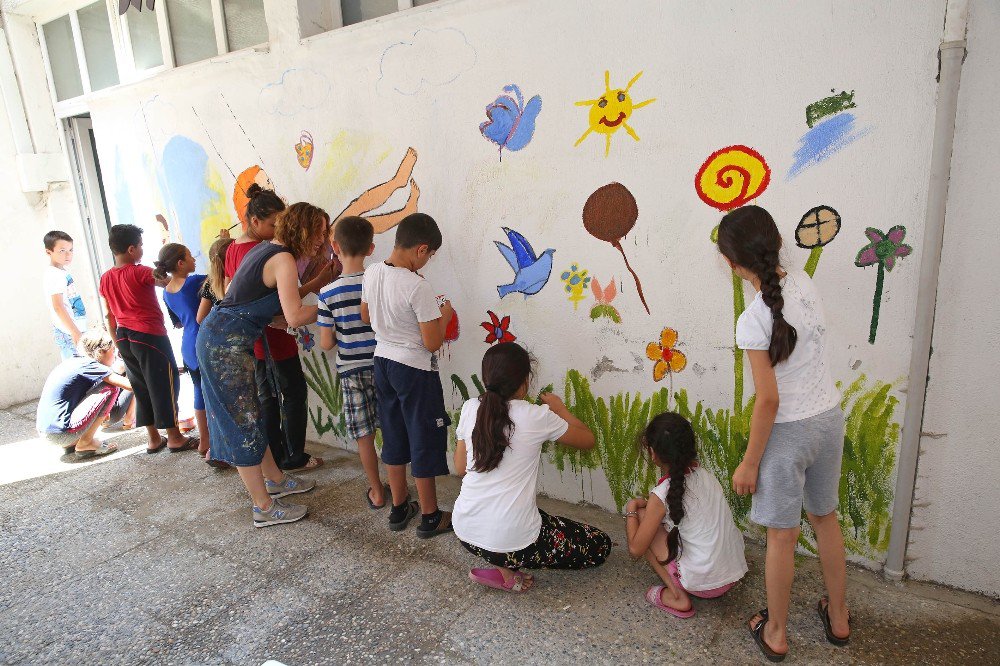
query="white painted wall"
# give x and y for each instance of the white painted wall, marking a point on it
(27, 331)
(956, 514)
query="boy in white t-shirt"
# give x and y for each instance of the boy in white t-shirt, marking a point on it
(66, 309)
(410, 327)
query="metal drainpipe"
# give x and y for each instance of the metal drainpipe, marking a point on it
(951, 54)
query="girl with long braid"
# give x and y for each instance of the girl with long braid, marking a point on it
(796, 441)
(685, 530)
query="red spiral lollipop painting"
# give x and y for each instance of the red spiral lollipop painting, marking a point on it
(609, 214)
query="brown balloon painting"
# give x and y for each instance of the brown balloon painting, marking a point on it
(609, 214)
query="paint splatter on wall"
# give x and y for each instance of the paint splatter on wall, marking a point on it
(826, 138)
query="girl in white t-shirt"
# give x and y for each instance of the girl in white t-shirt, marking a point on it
(685, 530)
(500, 437)
(796, 441)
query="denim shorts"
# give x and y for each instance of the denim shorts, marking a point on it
(800, 466)
(413, 418)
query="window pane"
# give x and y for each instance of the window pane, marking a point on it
(245, 24)
(356, 11)
(62, 58)
(192, 30)
(145, 36)
(417, 3)
(95, 28)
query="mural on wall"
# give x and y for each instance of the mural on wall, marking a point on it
(609, 214)
(375, 197)
(304, 150)
(430, 58)
(610, 112)
(511, 122)
(576, 280)
(825, 139)
(531, 271)
(603, 298)
(305, 338)
(817, 228)
(731, 177)
(882, 250)
(296, 90)
(497, 329)
(249, 176)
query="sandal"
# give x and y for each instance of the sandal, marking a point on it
(217, 464)
(102, 450)
(158, 447)
(758, 637)
(67, 450)
(190, 444)
(824, 614)
(493, 578)
(314, 463)
(654, 597)
(386, 493)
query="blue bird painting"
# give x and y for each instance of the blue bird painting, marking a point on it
(511, 122)
(531, 272)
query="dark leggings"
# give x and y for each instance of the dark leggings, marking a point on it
(152, 371)
(286, 437)
(561, 544)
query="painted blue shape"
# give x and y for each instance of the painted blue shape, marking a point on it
(824, 140)
(123, 195)
(531, 272)
(185, 164)
(511, 122)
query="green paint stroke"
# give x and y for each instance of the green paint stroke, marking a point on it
(739, 305)
(876, 303)
(871, 439)
(829, 106)
(326, 385)
(813, 262)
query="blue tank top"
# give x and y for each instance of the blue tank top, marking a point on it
(248, 282)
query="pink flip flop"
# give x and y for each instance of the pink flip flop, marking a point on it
(653, 597)
(493, 578)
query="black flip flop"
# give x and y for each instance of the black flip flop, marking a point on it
(189, 444)
(387, 494)
(758, 637)
(824, 615)
(159, 447)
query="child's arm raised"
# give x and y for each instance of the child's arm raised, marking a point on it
(280, 271)
(641, 528)
(765, 408)
(461, 457)
(578, 435)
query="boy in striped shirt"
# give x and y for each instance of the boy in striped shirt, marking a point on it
(339, 319)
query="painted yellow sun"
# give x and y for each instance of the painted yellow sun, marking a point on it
(611, 111)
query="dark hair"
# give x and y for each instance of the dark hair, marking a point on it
(418, 229)
(123, 236)
(748, 237)
(50, 238)
(506, 367)
(671, 438)
(262, 203)
(354, 235)
(170, 254)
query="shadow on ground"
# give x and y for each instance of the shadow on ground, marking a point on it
(152, 559)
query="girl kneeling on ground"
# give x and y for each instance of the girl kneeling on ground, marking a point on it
(495, 516)
(685, 530)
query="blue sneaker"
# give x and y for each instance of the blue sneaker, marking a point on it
(291, 485)
(279, 513)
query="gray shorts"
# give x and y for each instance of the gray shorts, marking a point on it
(800, 466)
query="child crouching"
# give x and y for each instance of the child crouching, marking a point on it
(685, 530)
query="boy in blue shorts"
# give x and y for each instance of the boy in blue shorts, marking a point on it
(339, 319)
(409, 328)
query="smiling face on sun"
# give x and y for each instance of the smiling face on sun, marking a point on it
(611, 111)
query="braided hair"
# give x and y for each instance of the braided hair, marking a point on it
(748, 237)
(506, 367)
(671, 438)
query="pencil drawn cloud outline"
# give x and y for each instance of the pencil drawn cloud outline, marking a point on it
(430, 58)
(296, 90)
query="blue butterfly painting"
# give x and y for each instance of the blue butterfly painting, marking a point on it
(511, 122)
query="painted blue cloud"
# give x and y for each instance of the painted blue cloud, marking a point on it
(183, 182)
(824, 140)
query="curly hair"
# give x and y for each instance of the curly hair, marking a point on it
(299, 226)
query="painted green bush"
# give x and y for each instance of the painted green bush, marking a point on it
(326, 385)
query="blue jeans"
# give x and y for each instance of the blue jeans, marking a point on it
(65, 343)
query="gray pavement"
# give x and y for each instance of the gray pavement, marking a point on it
(152, 559)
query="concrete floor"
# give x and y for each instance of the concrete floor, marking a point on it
(152, 559)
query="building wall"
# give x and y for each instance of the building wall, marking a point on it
(27, 329)
(427, 79)
(956, 505)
